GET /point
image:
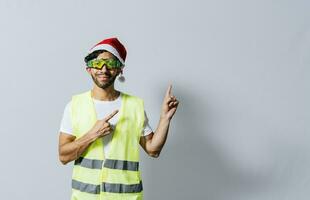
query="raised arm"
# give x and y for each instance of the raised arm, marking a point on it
(154, 142)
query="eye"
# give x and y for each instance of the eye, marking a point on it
(110, 61)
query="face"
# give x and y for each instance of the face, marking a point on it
(104, 78)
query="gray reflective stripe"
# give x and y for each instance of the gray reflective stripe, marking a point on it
(121, 164)
(89, 163)
(85, 187)
(122, 188)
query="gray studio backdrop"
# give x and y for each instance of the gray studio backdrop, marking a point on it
(239, 68)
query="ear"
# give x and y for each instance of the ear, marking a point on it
(88, 69)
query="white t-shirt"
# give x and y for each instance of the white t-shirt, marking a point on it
(103, 109)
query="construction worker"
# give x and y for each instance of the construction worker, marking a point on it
(102, 129)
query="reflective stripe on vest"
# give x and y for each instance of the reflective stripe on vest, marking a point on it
(86, 187)
(122, 188)
(121, 164)
(107, 187)
(89, 163)
(108, 163)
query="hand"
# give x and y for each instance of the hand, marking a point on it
(103, 127)
(169, 106)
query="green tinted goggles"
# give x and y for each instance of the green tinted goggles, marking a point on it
(109, 63)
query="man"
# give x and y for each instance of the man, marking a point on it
(105, 148)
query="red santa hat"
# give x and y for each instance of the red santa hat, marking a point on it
(112, 45)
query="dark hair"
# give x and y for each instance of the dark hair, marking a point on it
(95, 54)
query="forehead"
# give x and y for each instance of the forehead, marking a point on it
(105, 55)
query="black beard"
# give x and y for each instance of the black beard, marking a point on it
(103, 85)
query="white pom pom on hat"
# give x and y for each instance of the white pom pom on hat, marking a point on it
(112, 45)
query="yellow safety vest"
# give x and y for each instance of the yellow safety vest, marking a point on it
(116, 177)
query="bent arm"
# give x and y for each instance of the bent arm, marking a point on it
(154, 142)
(70, 148)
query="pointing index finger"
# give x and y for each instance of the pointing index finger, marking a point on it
(168, 92)
(110, 115)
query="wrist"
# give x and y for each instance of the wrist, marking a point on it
(164, 119)
(93, 136)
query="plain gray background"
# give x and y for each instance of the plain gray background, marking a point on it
(239, 68)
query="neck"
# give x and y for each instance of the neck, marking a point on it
(107, 94)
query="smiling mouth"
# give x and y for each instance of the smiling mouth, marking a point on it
(101, 76)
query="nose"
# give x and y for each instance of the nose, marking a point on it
(104, 68)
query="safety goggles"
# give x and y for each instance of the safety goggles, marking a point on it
(109, 63)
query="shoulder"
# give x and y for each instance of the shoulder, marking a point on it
(133, 101)
(80, 98)
(131, 96)
(68, 105)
